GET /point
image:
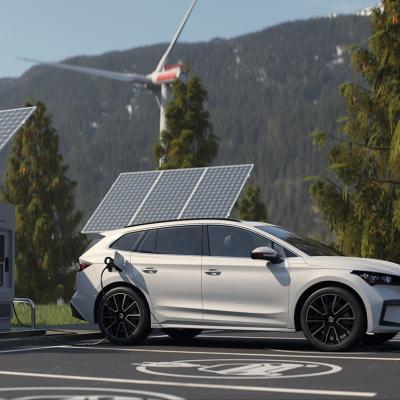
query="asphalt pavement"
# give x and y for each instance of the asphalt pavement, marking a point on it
(215, 365)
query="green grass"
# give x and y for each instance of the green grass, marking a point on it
(46, 315)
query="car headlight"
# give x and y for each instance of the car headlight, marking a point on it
(377, 278)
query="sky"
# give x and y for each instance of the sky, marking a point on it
(52, 30)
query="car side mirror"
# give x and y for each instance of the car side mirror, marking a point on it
(267, 254)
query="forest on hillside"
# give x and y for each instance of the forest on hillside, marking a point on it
(267, 91)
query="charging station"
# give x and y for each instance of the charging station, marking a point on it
(7, 251)
(10, 122)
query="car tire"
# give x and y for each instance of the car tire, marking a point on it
(123, 316)
(378, 338)
(332, 319)
(182, 334)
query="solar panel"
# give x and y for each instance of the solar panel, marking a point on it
(121, 202)
(165, 201)
(152, 196)
(217, 192)
(11, 121)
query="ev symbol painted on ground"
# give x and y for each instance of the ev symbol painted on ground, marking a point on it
(80, 393)
(237, 369)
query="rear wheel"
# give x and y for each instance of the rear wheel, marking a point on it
(182, 334)
(332, 319)
(378, 338)
(123, 316)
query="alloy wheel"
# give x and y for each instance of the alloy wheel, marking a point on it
(330, 319)
(120, 315)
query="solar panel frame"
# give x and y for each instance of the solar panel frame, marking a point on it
(11, 121)
(187, 188)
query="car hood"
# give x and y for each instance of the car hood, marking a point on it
(355, 263)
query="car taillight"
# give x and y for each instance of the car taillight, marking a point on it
(83, 265)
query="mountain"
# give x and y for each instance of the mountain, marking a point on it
(267, 91)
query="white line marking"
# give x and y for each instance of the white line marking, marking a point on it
(89, 389)
(193, 385)
(318, 352)
(29, 349)
(236, 354)
(249, 337)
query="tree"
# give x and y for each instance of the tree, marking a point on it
(359, 196)
(37, 184)
(250, 207)
(188, 140)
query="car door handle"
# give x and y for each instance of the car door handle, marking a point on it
(150, 270)
(212, 272)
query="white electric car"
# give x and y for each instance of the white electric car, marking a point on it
(185, 276)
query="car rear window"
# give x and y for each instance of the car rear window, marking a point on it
(148, 244)
(127, 242)
(93, 242)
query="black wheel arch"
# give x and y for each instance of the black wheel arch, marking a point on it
(320, 285)
(112, 286)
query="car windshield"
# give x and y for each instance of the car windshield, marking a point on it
(306, 245)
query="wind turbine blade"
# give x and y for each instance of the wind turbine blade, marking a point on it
(119, 76)
(163, 60)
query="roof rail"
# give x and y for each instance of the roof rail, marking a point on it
(183, 219)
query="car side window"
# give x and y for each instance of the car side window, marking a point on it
(180, 240)
(229, 241)
(127, 242)
(148, 244)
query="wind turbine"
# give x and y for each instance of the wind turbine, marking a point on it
(159, 81)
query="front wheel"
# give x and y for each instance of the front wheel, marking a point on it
(332, 319)
(123, 316)
(182, 334)
(378, 338)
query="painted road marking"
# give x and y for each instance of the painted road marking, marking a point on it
(249, 337)
(220, 353)
(237, 368)
(318, 352)
(28, 349)
(337, 393)
(144, 395)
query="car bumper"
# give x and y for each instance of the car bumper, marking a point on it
(390, 315)
(83, 306)
(384, 305)
(75, 313)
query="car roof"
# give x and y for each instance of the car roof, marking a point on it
(151, 225)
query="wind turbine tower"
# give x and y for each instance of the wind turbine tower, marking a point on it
(158, 82)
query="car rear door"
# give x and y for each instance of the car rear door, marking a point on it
(169, 261)
(240, 291)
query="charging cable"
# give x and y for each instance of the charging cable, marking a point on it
(110, 266)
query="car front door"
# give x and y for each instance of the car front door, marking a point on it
(169, 261)
(240, 291)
